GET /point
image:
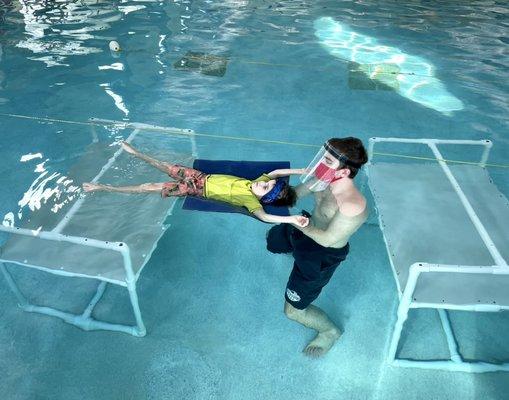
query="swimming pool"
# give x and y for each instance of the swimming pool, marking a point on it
(296, 73)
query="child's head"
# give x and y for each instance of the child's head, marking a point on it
(275, 191)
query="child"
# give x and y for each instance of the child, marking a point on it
(231, 189)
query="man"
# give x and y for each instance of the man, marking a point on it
(318, 249)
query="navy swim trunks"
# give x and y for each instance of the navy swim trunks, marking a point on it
(313, 264)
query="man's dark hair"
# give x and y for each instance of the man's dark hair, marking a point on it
(287, 197)
(353, 149)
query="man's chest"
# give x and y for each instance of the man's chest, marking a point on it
(326, 205)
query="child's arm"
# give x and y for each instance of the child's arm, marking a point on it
(277, 173)
(298, 220)
(302, 190)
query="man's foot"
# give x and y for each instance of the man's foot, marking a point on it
(91, 187)
(128, 148)
(322, 343)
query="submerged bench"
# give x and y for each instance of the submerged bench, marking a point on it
(108, 237)
(446, 230)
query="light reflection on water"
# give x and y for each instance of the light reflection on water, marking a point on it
(48, 188)
(415, 76)
(55, 30)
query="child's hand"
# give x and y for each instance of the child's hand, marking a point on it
(300, 220)
(302, 171)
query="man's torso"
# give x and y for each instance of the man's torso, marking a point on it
(327, 216)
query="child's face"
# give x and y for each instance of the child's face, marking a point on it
(260, 189)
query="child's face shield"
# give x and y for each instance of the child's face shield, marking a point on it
(322, 170)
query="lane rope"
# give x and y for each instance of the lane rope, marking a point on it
(188, 132)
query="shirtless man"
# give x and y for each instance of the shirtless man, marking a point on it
(318, 249)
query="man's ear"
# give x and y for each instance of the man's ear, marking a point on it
(342, 173)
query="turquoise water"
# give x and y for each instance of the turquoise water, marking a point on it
(214, 311)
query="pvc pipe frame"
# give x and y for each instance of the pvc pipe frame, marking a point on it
(456, 363)
(84, 320)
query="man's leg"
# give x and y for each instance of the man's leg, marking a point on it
(314, 318)
(302, 292)
(278, 239)
(311, 272)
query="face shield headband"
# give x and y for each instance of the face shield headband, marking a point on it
(343, 159)
(321, 172)
(274, 193)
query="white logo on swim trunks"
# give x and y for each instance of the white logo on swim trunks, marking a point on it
(292, 295)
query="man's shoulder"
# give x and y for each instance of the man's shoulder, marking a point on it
(353, 206)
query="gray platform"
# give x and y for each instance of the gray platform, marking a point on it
(135, 219)
(424, 221)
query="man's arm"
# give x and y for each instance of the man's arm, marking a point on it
(325, 237)
(297, 220)
(339, 227)
(302, 190)
(277, 173)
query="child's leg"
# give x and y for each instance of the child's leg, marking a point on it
(183, 188)
(181, 173)
(144, 188)
(175, 171)
(160, 165)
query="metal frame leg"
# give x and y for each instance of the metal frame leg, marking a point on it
(22, 301)
(456, 362)
(449, 335)
(133, 295)
(398, 328)
(84, 320)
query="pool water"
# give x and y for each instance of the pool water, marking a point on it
(256, 80)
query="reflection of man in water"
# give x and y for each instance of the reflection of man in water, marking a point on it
(320, 247)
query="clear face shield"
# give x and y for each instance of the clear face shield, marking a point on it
(321, 172)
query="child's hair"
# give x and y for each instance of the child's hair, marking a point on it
(287, 197)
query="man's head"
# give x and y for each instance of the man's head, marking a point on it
(346, 155)
(275, 191)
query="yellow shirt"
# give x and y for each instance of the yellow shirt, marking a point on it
(233, 190)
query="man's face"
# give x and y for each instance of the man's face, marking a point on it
(260, 188)
(332, 162)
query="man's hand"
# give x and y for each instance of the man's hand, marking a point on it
(300, 220)
(278, 173)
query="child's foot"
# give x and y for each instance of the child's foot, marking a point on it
(91, 187)
(128, 148)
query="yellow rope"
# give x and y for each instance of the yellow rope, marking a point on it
(254, 62)
(314, 68)
(439, 159)
(64, 121)
(241, 138)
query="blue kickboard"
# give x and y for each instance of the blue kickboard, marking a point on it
(245, 169)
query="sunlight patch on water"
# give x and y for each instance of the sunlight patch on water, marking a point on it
(416, 77)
